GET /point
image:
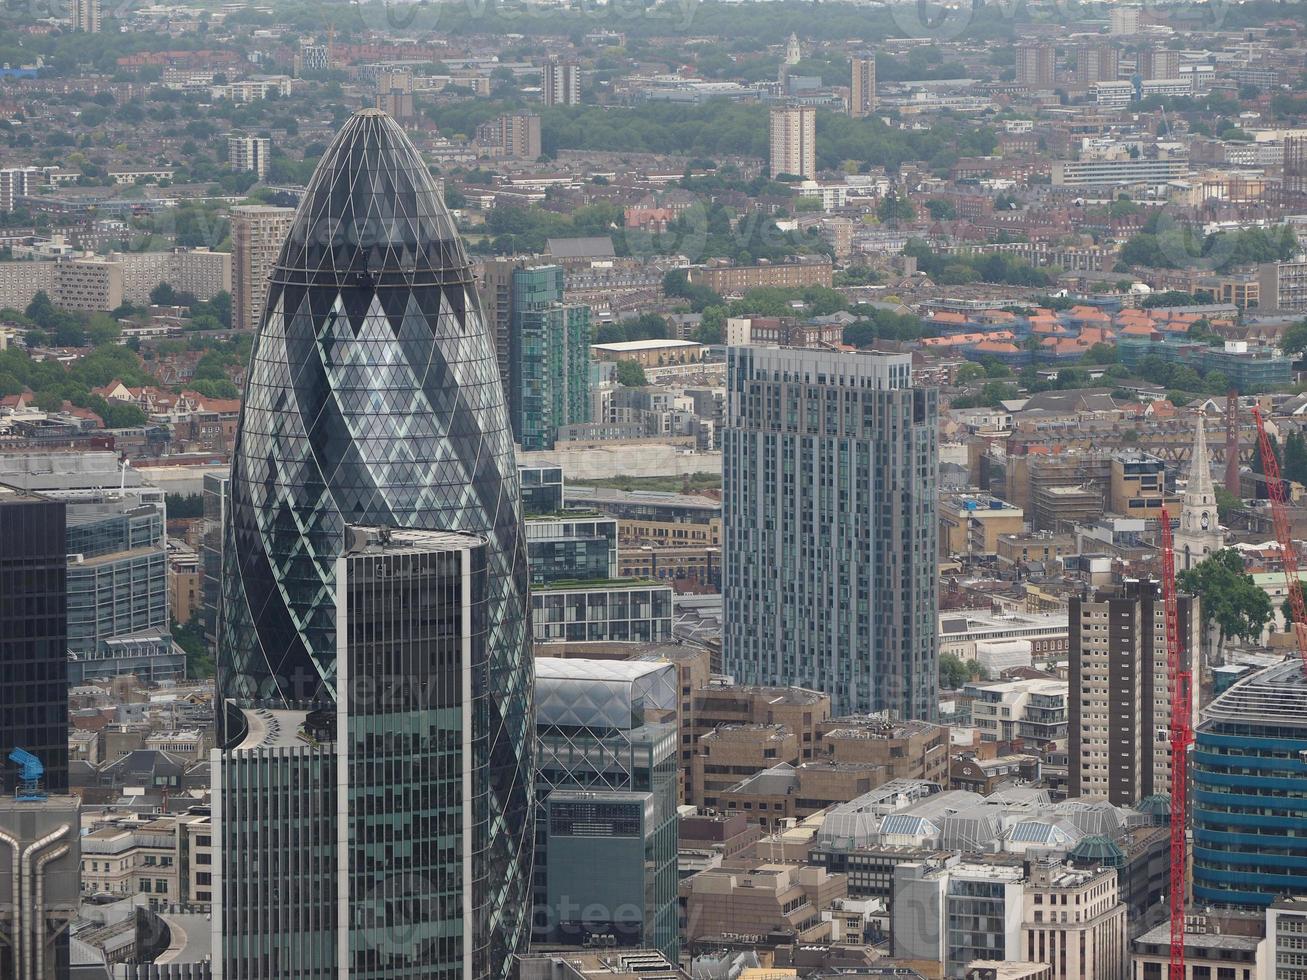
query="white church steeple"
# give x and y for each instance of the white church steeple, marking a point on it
(1200, 531)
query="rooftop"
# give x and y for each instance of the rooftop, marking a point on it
(1274, 696)
(629, 346)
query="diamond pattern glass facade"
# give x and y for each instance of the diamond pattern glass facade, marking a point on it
(373, 398)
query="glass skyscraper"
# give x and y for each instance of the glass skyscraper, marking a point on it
(33, 636)
(829, 471)
(1250, 791)
(549, 357)
(373, 400)
(606, 823)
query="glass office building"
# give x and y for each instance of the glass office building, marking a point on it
(829, 474)
(549, 357)
(1250, 791)
(117, 569)
(373, 399)
(606, 793)
(33, 628)
(572, 548)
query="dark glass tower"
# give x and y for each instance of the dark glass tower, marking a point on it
(373, 399)
(33, 636)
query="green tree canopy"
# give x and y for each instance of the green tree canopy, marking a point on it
(1228, 597)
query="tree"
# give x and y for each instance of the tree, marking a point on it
(941, 210)
(1294, 340)
(41, 310)
(1226, 504)
(164, 294)
(1230, 601)
(893, 209)
(952, 672)
(120, 415)
(1295, 457)
(102, 329)
(630, 374)
(184, 505)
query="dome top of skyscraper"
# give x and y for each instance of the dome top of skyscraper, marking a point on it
(371, 210)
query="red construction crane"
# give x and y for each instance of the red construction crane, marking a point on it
(1181, 737)
(1283, 533)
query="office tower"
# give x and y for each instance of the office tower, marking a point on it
(1096, 63)
(542, 489)
(118, 586)
(1247, 772)
(16, 182)
(1199, 535)
(1158, 62)
(561, 83)
(85, 15)
(794, 141)
(1035, 65)
(257, 231)
(606, 794)
(249, 153)
(372, 400)
(395, 884)
(829, 471)
(33, 636)
(1118, 747)
(862, 89)
(549, 358)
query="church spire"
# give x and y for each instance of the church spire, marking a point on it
(1199, 490)
(1200, 533)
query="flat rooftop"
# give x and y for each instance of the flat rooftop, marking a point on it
(634, 346)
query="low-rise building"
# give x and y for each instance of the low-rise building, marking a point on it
(774, 901)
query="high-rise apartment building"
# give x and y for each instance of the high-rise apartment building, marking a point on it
(495, 285)
(1121, 713)
(794, 141)
(606, 793)
(1097, 63)
(829, 471)
(1156, 62)
(1124, 21)
(249, 153)
(1247, 771)
(16, 182)
(373, 401)
(313, 56)
(549, 358)
(33, 636)
(85, 15)
(862, 86)
(1035, 64)
(515, 135)
(257, 232)
(561, 83)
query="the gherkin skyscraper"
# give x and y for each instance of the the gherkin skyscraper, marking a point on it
(373, 781)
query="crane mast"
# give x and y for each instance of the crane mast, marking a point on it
(1283, 534)
(1180, 735)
